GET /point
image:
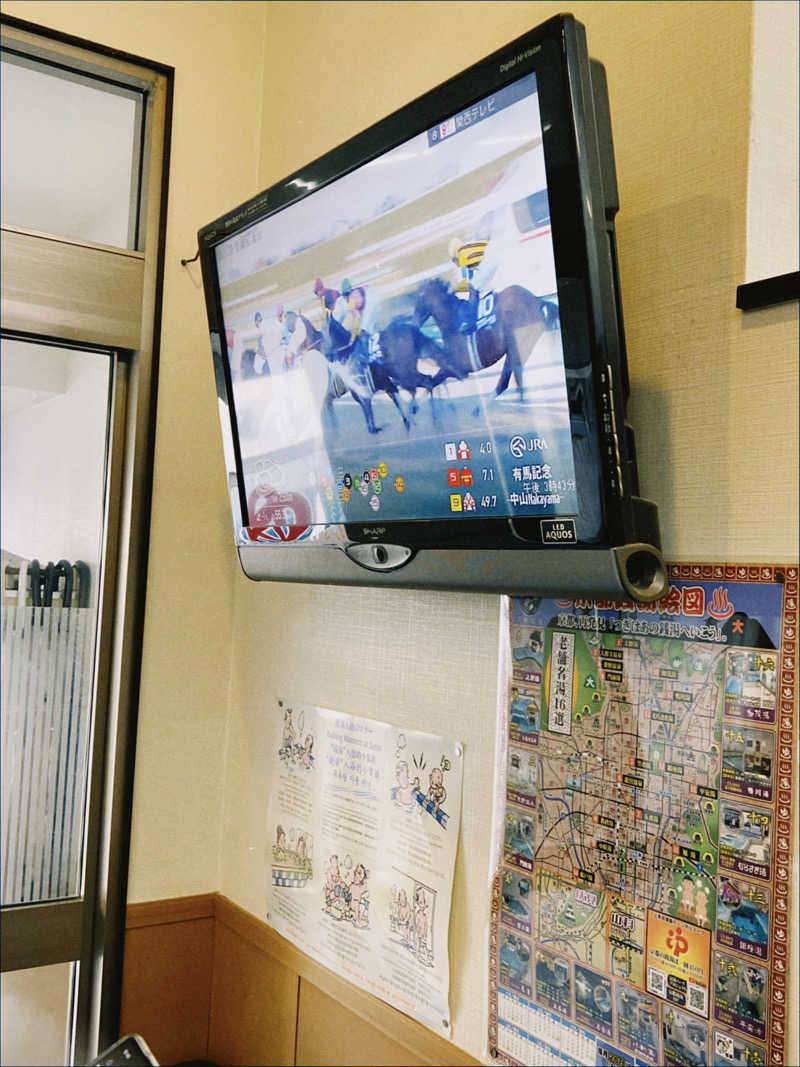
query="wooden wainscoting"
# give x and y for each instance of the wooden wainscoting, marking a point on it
(166, 975)
(205, 979)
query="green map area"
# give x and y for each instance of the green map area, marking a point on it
(628, 800)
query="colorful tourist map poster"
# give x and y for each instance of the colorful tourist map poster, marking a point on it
(646, 772)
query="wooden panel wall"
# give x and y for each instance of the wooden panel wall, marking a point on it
(327, 1032)
(166, 978)
(205, 979)
(253, 1002)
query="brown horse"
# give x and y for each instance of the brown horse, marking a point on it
(520, 319)
(401, 345)
(351, 370)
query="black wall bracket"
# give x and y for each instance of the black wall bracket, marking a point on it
(768, 291)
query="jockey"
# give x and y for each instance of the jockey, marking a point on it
(253, 348)
(289, 337)
(347, 345)
(280, 315)
(326, 297)
(467, 256)
(260, 350)
(349, 308)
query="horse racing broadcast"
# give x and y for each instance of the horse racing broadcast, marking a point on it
(393, 337)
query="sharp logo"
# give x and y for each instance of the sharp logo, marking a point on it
(374, 531)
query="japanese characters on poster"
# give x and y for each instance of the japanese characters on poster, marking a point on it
(640, 898)
(362, 832)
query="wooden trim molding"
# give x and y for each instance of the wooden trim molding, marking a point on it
(83, 293)
(422, 1044)
(171, 910)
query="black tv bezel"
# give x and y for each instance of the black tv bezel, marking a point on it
(581, 185)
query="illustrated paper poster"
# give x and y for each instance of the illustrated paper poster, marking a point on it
(646, 774)
(362, 833)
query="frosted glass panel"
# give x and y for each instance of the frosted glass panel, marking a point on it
(55, 406)
(46, 718)
(34, 1015)
(70, 153)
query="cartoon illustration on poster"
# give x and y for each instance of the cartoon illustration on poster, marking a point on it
(408, 793)
(641, 852)
(291, 855)
(297, 747)
(361, 838)
(346, 892)
(412, 915)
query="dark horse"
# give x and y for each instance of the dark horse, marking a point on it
(350, 369)
(339, 381)
(403, 345)
(520, 319)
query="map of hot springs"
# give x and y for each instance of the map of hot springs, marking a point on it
(641, 896)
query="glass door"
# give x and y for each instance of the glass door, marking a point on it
(54, 435)
(85, 133)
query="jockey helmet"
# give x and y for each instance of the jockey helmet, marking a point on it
(453, 247)
(346, 287)
(319, 287)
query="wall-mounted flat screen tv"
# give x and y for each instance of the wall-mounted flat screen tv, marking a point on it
(418, 347)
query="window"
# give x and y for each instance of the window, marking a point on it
(85, 135)
(72, 153)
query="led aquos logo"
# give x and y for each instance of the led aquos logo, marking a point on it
(558, 532)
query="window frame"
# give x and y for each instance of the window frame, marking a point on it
(123, 313)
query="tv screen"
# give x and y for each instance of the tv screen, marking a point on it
(418, 346)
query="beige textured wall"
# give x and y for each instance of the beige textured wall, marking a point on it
(714, 401)
(714, 393)
(192, 569)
